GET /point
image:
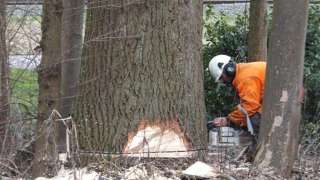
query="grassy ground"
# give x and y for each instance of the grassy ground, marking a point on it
(24, 90)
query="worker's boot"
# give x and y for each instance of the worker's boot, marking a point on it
(252, 150)
(245, 138)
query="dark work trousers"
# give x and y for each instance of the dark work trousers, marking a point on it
(255, 121)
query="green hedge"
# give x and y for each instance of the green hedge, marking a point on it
(223, 35)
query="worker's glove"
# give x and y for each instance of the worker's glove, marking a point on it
(220, 121)
(217, 122)
(210, 125)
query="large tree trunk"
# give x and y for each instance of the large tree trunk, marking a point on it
(49, 74)
(281, 114)
(4, 75)
(141, 66)
(71, 48)
(258, 31)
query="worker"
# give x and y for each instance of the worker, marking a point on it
(248, 81)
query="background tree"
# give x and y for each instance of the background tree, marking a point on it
(4, 75)
(141, 62)
(49, 79)
(281, 115)
(71, 48)
(258, 31)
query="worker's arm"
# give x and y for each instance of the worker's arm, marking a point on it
(249, 92)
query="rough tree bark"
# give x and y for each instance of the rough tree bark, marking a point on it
(284, 92)
(49, 79)
(141, 63)
(258, 31)
(4, 74)
(71, 48)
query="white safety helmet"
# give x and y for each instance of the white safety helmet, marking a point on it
(217, 64)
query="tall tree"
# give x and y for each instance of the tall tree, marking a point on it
(71, 48)
(49, 79)
(4, 74)
(141, 63)
(282, 104)
(258, 31)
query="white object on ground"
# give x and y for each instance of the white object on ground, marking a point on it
(139, 172)
(71, 174)
(136, 172)
(200, 169)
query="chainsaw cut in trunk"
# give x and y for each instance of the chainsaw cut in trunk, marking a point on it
(160, 139)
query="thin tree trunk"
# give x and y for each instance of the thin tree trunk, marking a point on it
(49, 74)
(258, 31)
(71, 44)
(141, 65)
(282, 103)
(4, 75)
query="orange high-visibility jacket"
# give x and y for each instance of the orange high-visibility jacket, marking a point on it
(249, 84)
